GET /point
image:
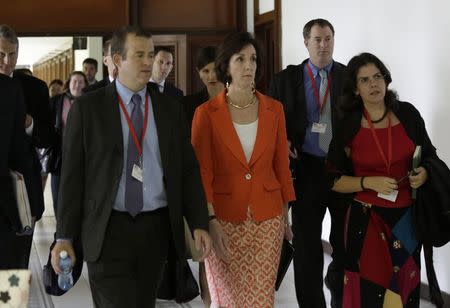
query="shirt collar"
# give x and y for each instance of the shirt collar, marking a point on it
(161, 84)
(126, 93)
(315, 70)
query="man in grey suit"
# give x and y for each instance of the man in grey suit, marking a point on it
(129, 175)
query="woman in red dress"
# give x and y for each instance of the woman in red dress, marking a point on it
(370, 159)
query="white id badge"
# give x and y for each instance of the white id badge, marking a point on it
(391, 197)
(319, 128)
(137, 173)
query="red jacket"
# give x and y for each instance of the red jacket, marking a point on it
(231, 184)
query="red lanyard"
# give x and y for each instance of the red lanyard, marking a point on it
(131, 127)
(316, 91)
(387, 161)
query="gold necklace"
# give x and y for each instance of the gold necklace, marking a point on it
(252, 102)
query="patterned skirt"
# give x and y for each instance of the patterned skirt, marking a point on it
(248, 280)
(382, 258)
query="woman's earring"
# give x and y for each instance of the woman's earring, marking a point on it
(253, 87)
(227, 85)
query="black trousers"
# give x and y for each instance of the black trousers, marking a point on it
(14, 250)
(130, 265)
(308, 211)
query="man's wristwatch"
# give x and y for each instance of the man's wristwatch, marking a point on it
(211, 217)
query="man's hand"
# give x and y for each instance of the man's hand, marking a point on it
(220, 240)
(292, 150)
(419, 177)
(60, 246)
(28, 121)
(202, 242)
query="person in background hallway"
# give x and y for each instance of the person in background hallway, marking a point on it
(240, 140)
(60, 106)
(207, 73)
(55, 87)
(37, 126)
(309, 93)
(369, 161)
(126, 183)
(14, 249)
(90, 68)
(162, 67)
(112, 70)
(212, 86)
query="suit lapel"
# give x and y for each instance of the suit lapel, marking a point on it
(163, 125)
(266, 123)
(112, 114)
(221, 119)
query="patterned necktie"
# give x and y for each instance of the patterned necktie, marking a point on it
(325, 116)
(133, 187)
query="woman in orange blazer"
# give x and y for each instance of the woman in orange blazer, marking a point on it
(240, 141)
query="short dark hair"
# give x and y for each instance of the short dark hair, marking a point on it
(319, 22)
(164, 49)
(8, 33)
(120, 36)
(56, 81)
(23, 71)
(91, 61)
(349, 100)
(232, 44)
(66, 84)
(205, 56)
(106, 46)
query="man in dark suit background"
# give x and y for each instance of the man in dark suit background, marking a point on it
(14, 249)
(162, 67)
(37, 122)
(126, 198)
(309, 93)
(112, 71)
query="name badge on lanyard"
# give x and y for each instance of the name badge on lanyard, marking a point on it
(319, 128)
(137, 172)
(387, 160)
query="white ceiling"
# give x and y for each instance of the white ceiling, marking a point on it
(32, 49)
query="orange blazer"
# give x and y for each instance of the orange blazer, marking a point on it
(231, 184)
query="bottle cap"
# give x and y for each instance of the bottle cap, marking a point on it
(63, 254)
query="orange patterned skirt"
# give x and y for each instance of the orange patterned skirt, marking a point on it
(248, 280)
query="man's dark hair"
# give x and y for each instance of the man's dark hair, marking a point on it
(350, 100)
(205, 56)
(319, 22)
(22, 71)
(120, 36)
(232, 44)
(106, 46)
(91, 61)
(164, 49)
(56, 81)
(8, 33)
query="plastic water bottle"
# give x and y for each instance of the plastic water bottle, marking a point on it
(65, 279)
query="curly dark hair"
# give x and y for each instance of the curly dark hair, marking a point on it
(232, 44)
(349, 100)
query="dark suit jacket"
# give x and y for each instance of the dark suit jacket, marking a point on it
(170, 89)
(56, 106)
(35, 93)
(93, 162)
(191, 102)
(12, 152)
(289, 88)
(36, 100)
(102, 83)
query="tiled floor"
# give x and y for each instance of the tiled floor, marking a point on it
(79, 295)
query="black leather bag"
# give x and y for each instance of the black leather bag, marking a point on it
(287, 254)
(178, 282)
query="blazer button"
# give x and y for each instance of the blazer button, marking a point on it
(248, 176)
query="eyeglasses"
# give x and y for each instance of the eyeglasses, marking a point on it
(366, 80)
